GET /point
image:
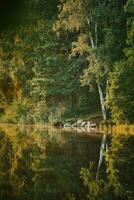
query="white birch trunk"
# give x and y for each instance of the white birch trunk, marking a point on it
(107, 94)
(102, 150)
(94, 45)
(101, 95)
(104, 114)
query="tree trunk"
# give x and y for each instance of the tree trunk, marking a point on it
(104, 114)
(102, 150)
(94, 45)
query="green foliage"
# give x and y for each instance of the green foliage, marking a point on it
(99, 30)
(35, 65)
(121, 92)
(36, 163)
(94, 187)
(17, 112)
(117, 183)
(56, 114)
(48, 69)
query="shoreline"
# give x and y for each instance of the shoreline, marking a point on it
(122, 129)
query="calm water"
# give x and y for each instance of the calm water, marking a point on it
(44, 164)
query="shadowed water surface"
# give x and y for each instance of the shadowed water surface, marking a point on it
(44, 164)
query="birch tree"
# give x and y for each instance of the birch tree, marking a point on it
(90, 21)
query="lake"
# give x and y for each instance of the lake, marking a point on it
(38, 164)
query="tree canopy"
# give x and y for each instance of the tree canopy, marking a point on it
(62, 59)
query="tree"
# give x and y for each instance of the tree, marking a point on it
(17, 61)
(121, 92)
(98, 33)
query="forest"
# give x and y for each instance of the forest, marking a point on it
(62, 59)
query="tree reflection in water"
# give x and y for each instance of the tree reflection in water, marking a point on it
(37, 164)
(118, 181)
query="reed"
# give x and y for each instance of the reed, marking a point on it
(122, 129)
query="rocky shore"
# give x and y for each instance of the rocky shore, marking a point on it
(80, 124)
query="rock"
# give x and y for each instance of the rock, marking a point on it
(77, 124)
(79, 121)
(58, 124)
(80, 124)
(88, 124)
(74, 124)
(93, 125)
(67, 125)
(83, 124)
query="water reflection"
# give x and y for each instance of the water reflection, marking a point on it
(117, 181)
(44, 164)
